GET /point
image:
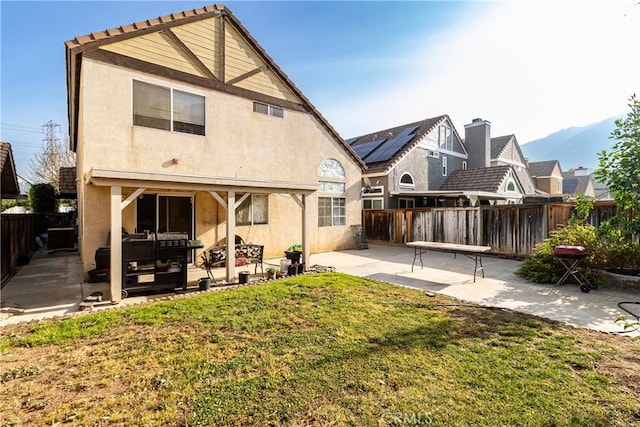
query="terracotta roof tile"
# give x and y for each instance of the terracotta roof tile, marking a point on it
(99, 35)
(83, 39)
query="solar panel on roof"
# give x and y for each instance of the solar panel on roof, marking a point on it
(363, 150)
(389, 148)
(409, 130)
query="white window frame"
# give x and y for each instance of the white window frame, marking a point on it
(252, 214)
(444, 165)
(338, 211)
(445, 137)
(404, 184)
(371, 201)
(271, 110)
(172, 112)
(332, 186)
(464, 165)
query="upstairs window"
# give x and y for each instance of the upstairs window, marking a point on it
(445, 137)
(444, 166)
(269, 110)
(168, 109)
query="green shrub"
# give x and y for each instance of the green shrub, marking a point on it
(622, 256)
(43, 198)
(544, 267)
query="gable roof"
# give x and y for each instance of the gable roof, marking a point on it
(574, 185)
(383, 148)
(544, 168)
(9, 180)
(500, 144)
(169, 29)
(479, 179)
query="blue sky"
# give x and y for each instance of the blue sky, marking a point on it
(529, 67)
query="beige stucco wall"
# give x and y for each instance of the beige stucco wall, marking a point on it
(239, 144)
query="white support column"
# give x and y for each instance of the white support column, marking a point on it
(231, 235)
(116, 244)
(306, 223)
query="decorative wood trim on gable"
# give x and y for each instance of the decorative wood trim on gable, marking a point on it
(192, 56)
(247, 75)
(158, 70)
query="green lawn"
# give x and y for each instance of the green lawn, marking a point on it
(323, 349)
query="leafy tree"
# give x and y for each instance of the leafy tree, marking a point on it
(43, 198)
(619, 169)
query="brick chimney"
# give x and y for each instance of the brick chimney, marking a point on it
(477, 140)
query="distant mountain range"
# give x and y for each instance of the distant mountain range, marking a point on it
(573, 147)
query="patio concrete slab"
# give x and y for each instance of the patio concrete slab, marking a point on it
(444, 274)
(51, 286)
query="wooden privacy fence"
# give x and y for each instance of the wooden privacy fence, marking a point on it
(510, 230)
(19, 233)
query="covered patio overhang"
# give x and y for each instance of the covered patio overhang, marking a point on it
(473, 196)
(216, 186)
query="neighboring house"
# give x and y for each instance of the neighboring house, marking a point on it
(183, 123)
(9, 181)
(602, 191)
(495, 184)
(505, 150)
(547, 176)
(577, 181)
(407, 162)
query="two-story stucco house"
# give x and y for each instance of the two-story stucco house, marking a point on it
(183, 123)
(407, 162)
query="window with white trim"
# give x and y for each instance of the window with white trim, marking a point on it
(253, 210)
(168, 109)
(373, 203)
(445, 137)
(332, 205)
(464, 165)
(511, 186)
(444, 166)
(406, 180)
(268, 109)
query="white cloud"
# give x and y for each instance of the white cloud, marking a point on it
(531, 68)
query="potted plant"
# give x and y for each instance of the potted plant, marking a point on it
(293, 253)
(271, 273)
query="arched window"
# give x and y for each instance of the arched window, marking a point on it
(331, 168)
(511, 186)
(406, 180)
(332, 203)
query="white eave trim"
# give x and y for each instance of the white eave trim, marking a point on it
(128, 178)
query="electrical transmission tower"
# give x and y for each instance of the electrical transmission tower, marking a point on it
(51, 139)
